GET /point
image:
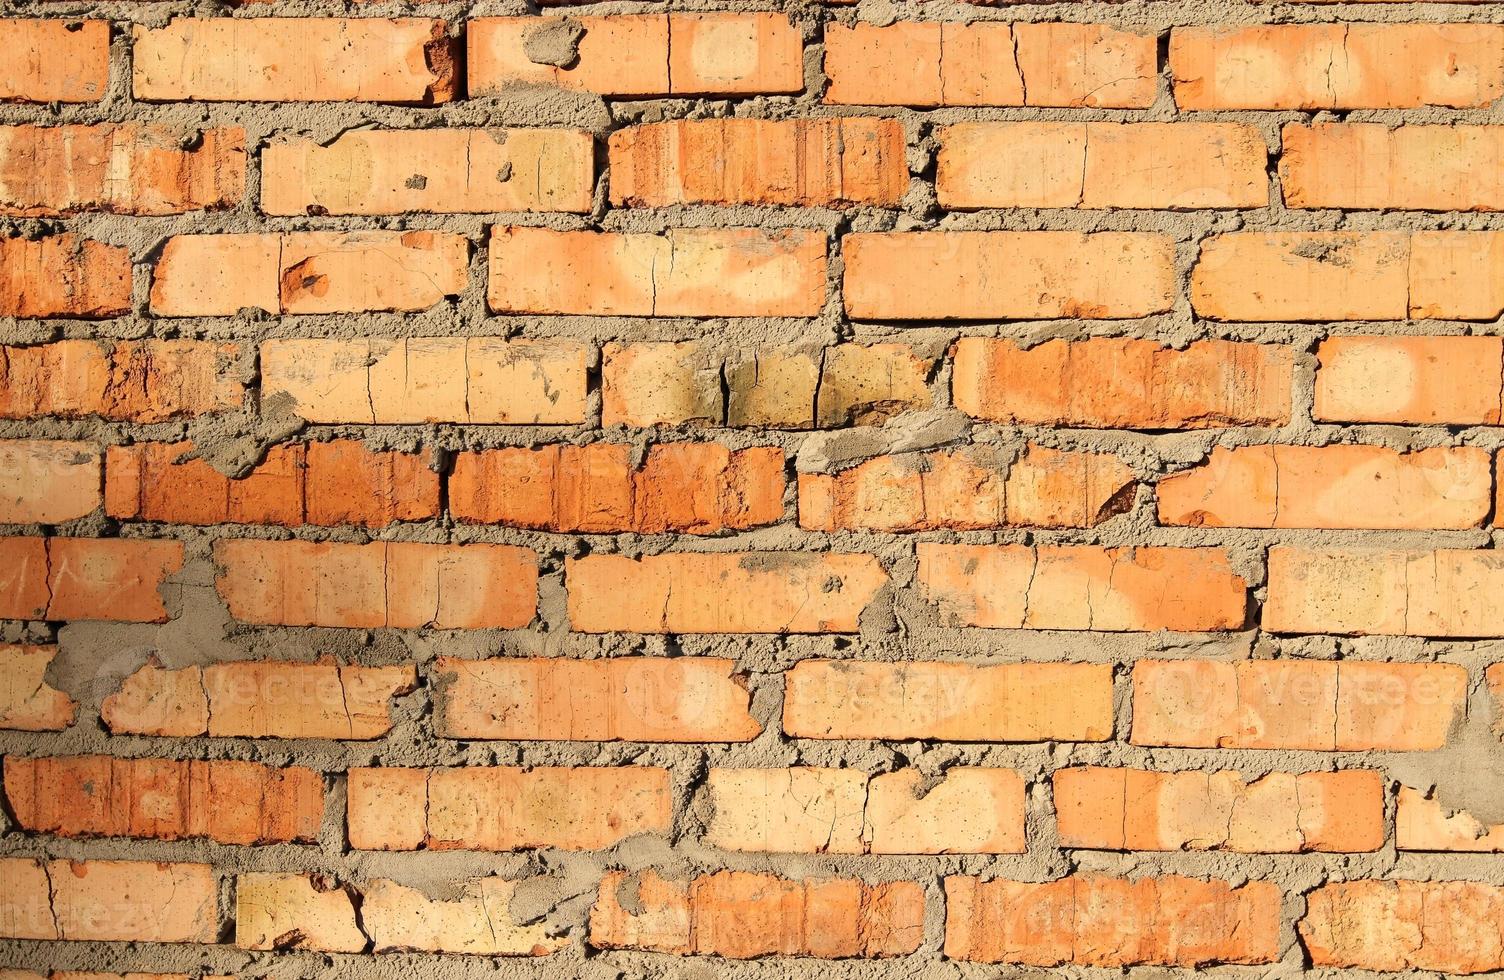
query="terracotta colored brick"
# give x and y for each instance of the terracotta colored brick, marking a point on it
(686, 487)
(1123, 383)
(1441, 926)
(27, 702)
(581, 808)
(966, 489)
(1016, 275)
(643, 54)
(682, 272)
(749, 592)
(953, 702)
(54, 60)
(790, 810)
(933, 64)
(229, 802)
(1337, 66)
(1367, 165)
(1325, 706)
(133, 380)
(390, 171)
(1420, 380)
(130, 168)
(478, 921)
(969, 810)
(828, 162)
(295, 59)
(630, 699)
(108, 901)
(45, 482)
(308, 272)
(86, 578)
(1083, 587)
(1140, 810)
(1111, 922)
(400, 584)
(1179, 166)
(745, 915)
(63, 275)
(1422, 823)
(480, 380)
(258, 699)
(1331, 487)
(1424, 592)
(292, 911)
(1456, 275)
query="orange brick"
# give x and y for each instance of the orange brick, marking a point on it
(1111, 922)
(745, 915)
(229, 802)
(130, 168)
(643, 54)
(295, 59)
(388, 171)
(934, 64)
(695, 488)
(683, 272)
(1368, 165)
(86, 578)
(829, 162)
(1441, 926)
(258, 699)
(1123, 383)
(63, 275)
(1409, 379)
(749, 592)
(630, 699)
(54, 60)
(965, 489)
(399, 584)
(582, 808)
(292, 911)
(1083, 587)
(1325, 706)
(480, 380)
(1178, 166)
(1337, 66)
(45, 482)
(109, 901)
(1141, 810)
(953, 702)
(134, 380)
(1422, 823)
(1050, 275)
(1331, 487)
(27, 702)
(970, 810)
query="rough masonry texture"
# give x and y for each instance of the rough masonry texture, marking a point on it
(837, 489)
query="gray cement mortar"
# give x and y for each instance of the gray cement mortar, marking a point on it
(559, 886)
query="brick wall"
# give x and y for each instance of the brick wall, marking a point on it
(622, 492)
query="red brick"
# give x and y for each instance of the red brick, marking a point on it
(63, 276)
(1371, 166)
(1419, 380)
(1441, 926)
(46, 482)
(86, 578)
(108, 901)
(54, 60)
(133, 380)
(27, 702)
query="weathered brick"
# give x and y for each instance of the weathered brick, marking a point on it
(480, 380)
(1441, 926)
(1419, 380)
(631, 699)
(581, 808)
(1337, 66)
(131, 380)
(970, 810)
(63, 276)
(478, 921)
(46, 482)
(295, 59)
(388, 171)
(749, 592)
(1177, 166)
(308, 272)
(258, 699)
(954, 702)
(1423, 823)
(86, 578)
(399, 584)
(1368, 165)
(745, 915)
(1105, 275)
(1141, 810)
(1325, 706)
(1083, 587)
(54, 60)
(130, 168)
(829, 162)
(1123, 383)
(685, 487)
(108, 901)
(27, 702)
(1111, 922)
(682, 272)
(277, 911)
(1331, 487)
(100, 796)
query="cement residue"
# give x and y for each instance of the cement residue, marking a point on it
(555, 43)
